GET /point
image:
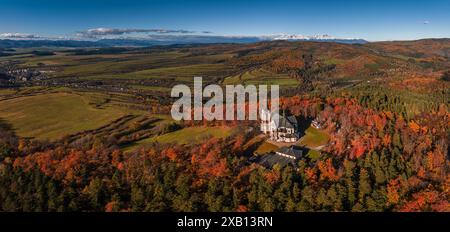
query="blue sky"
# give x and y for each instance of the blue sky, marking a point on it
(371, 20)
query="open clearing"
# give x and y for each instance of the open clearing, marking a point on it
(190, 134)
(314, 138)
(313, 154)
(266, 147)
(185, 136)
(51, 116)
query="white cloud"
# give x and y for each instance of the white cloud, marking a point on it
(18, 36)
(99, 32)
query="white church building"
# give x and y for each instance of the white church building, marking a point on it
(283, 130)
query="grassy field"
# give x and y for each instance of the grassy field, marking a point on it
(266, 148)
(144, 65)
(7, 91)
(51, 116)
(180, 73)
(260, 77)
(150, 88)
(313, 154)
(185, 136)
(313, 138)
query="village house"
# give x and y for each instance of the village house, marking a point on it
(283, 130)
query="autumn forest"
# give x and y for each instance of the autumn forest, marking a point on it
(382, 144)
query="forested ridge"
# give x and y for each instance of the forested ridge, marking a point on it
(377, 160)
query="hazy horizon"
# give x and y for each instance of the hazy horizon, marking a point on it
(85, 20)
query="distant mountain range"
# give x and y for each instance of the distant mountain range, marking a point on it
(318, 38)
(168, 40)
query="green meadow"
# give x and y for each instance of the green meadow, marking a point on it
(185, 136)
(266, 147)
(314, 138)
(51, 116)
(179, 73)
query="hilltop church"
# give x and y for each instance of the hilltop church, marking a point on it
(285, 130)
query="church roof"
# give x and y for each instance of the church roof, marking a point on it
(287, 122)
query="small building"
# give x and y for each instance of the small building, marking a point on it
(285, 129)
(283, 157)
(291, 152)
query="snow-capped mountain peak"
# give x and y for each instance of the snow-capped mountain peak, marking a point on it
(319, 38)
